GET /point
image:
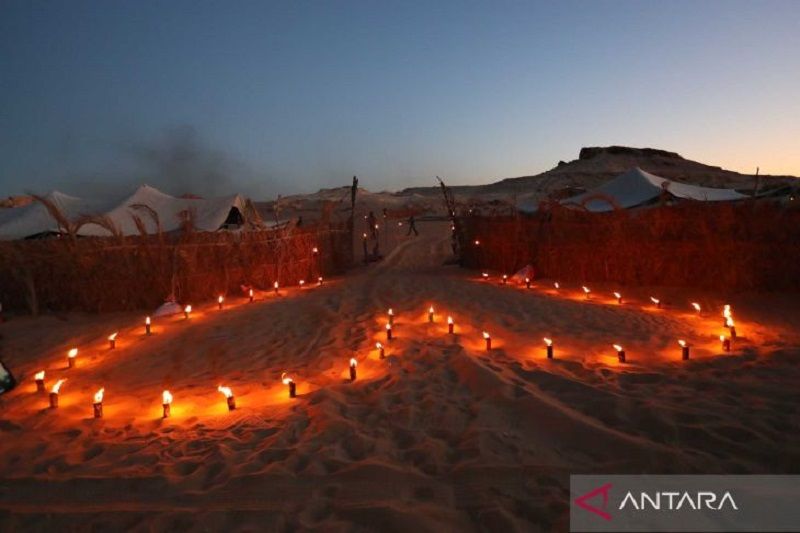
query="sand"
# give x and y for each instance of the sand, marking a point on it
(439, 436)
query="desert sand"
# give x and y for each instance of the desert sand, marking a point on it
(441, 435)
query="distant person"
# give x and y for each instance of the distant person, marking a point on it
(412, 226)
(373, 222)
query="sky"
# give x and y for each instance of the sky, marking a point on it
(271, 98)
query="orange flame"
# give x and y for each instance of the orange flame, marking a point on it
(586, 289)
(147, 320)
(187, 309)
(556, 285)
(353, 362)
(729, 322)
(39, 376)
(315, 249)
(617, 295)
(166, 397)
(221, 299)
(57, 386)
(477, 242)
(250, 292)
(486, 335)
(654, 300)
(696, 306)
(722, 338)
(548, 342)
(726, 311)
(225, 390)
(617, 347)
(113, 336)
(430, 309)
(485, 275)
(286, 379)
(391, 312)
(72, 353)
(275, 284)
(682, 343)
(388, 326)
(302, 282)
(98, 396)
(378, 346)
(449, 320)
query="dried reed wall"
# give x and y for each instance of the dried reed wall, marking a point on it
(105, 274)
(743, 246)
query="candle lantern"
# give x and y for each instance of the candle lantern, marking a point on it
(381, 351)
(251, 295)
(166, 402)
(620, 353)
(112, 341)
(527, 283)
(220, 299)
(54, 393)
(549, 344)
(39, 377)
(586, 291)
(488, 340)
(289, 382)
(353, 365)
(147, 325)
(391, 316)
(656, 301)
(228, 393)
(726, 343)
(275, 287)
(71, 357)
(731, 327)
(618, 296)
(187, 311)
(430, 314)
(97, 406)
(450, 325)
(388, 332)
(684, 350)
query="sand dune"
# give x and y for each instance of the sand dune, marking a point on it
(439, 436)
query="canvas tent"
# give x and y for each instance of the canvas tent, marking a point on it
(209, 214)
(637, 187)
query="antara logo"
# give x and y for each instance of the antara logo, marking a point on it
(668, 501)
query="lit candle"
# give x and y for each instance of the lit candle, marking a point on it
(39, 377)
(302, 282)
(112, 341)
(319, 280)
(505, 279)
(315, 250)
(485, 276)
(620, 353)
(147, 325)
(656, 301)
(97, 406)
(618, 296)
(388, 332)
(275, 287)
(71, 356)
(353, 365)
(696, 307)
(290, 383)
(726, 314)
(54, 393)
(556, 285)
(430, 314)
(228, 393)
(488, 340)
(731, 327)
(381, 351)
(684, 350)
(186, 311)
(450, 325)
(586, 291)
(527, 283)
(726, 343)
(220, 299)
(251, 295)
(391, 316)
(166, 402)
(549, 344)
(477, 242)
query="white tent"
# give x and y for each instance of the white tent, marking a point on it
(34, 219)
(637, 187)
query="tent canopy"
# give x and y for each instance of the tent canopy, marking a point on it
(206, 214)
(637, 187)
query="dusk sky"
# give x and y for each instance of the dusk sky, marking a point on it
(272, 98)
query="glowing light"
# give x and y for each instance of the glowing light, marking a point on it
(98, 396)
(353, 361)
(477, 242)
(225, 390)
(315, 250)
(617, 347)
(301, 283)
(556, 285)
(286, 379)
(655, 300)
(113, 336)
(147, 321)
(696, 306)
(166, 397)
(548, 342)
(39, 376)
(57, 387)
(682, 343)
(449, 320)
(73, 353)
(486, 335)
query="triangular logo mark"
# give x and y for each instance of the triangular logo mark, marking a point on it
(581, 501)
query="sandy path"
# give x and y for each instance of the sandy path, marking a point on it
(441, 435)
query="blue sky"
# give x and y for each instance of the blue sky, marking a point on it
(281, 97)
